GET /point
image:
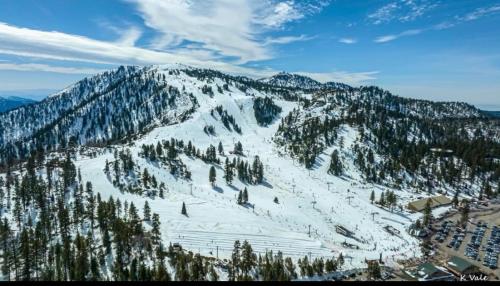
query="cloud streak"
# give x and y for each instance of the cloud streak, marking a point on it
(348, 41)
(286, 40)
(477, 14)
(388, 38)
(47, 68)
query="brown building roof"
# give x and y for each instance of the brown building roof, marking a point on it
(436, 201)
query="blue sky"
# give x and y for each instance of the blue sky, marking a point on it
(439, 50)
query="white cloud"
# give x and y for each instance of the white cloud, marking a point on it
(286, 40)
(130, 36)
(127, 36)
(222, 26)
(388, 38)
(47, 68)
(385, 39)
(384, 14)
(35, 44)
(402, 11)
(350, 78)
(58, 46)
(230, 28)
(207, 33)
(480, 12)
(348, 41)
(282, 13)
(471, 16)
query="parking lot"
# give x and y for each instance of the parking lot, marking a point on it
(479, 242)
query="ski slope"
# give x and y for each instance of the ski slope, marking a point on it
(311, 202)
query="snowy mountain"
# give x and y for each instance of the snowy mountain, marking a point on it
(316, 173)
(284, 79)
(11, 102)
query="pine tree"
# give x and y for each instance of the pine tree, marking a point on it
(236, 260)
(382, 201)
(145, 178)
(212, 176)
(240, 198)
(245, 196)
(427, 213)
(372, 196)
(465, 212)
(220, 149)
(455, 198)
(155, 231)
(228, 172)
(238, 148)
(184, 211)
(248, 260)
(373, 270)
(258, 170)
(147, 211)
(340, 260)
(336, 167)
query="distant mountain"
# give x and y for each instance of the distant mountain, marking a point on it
(12, 102)
(296, 81)
(492, 113)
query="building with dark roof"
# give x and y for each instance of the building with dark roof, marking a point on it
(429, 272)
(459, 266)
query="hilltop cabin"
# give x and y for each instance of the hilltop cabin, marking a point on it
(429, 272)
(459, 266)
(437, 201)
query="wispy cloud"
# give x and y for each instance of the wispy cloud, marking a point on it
(476, 14)
(287, 40)
(220, 34)
(351, 78)
(480, 12)
(47, 68)
(230, 28)
(402, 11)
(35, 44)
(348, 41)
(127, 36)
(388, 38)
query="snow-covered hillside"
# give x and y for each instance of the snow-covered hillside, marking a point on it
(312, 162)
(305, 198)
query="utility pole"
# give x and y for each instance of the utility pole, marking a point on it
(329, 183)
(309, 231)
(217, 252)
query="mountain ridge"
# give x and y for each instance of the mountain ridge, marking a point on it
(8, 103)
